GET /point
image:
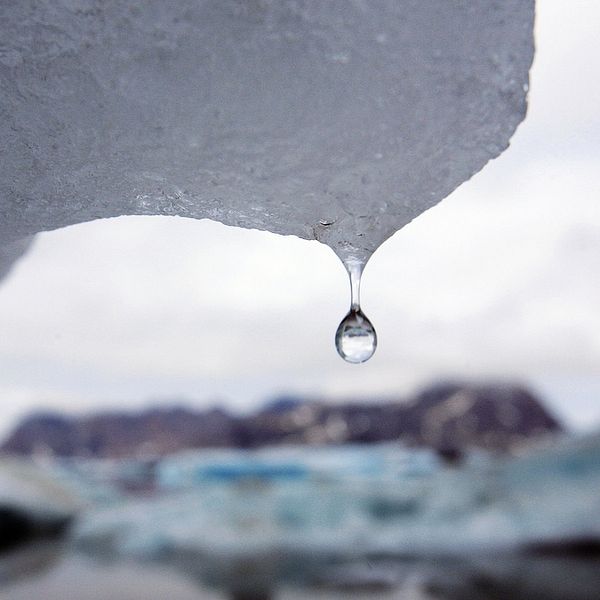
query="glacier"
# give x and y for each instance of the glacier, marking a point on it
(338, 121)
(360, 515)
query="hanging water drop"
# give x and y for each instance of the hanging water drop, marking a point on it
(355, 338)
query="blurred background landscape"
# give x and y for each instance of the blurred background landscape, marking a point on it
(176, 423)
(459, 491)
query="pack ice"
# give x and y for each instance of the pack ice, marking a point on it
(338, 121)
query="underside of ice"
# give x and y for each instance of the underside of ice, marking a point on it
(339, 121)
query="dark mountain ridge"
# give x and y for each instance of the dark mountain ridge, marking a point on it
(446, 416)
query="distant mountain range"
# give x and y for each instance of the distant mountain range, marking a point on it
(448, 417)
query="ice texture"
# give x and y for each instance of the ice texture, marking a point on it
(285, 508)
(339, 121)
(10, 251)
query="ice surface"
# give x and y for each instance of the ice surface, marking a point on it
(33, 490)
(290, 506)
(339, 121)
(10, 251)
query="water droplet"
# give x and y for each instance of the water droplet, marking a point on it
(355, 338)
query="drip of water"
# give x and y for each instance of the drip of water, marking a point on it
(355, 338)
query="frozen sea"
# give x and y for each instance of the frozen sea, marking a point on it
(347, 522)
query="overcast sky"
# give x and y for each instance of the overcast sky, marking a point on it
(502, 280)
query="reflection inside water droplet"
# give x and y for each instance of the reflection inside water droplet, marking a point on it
(355, 338)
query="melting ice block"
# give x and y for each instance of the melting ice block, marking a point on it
(339, 121)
